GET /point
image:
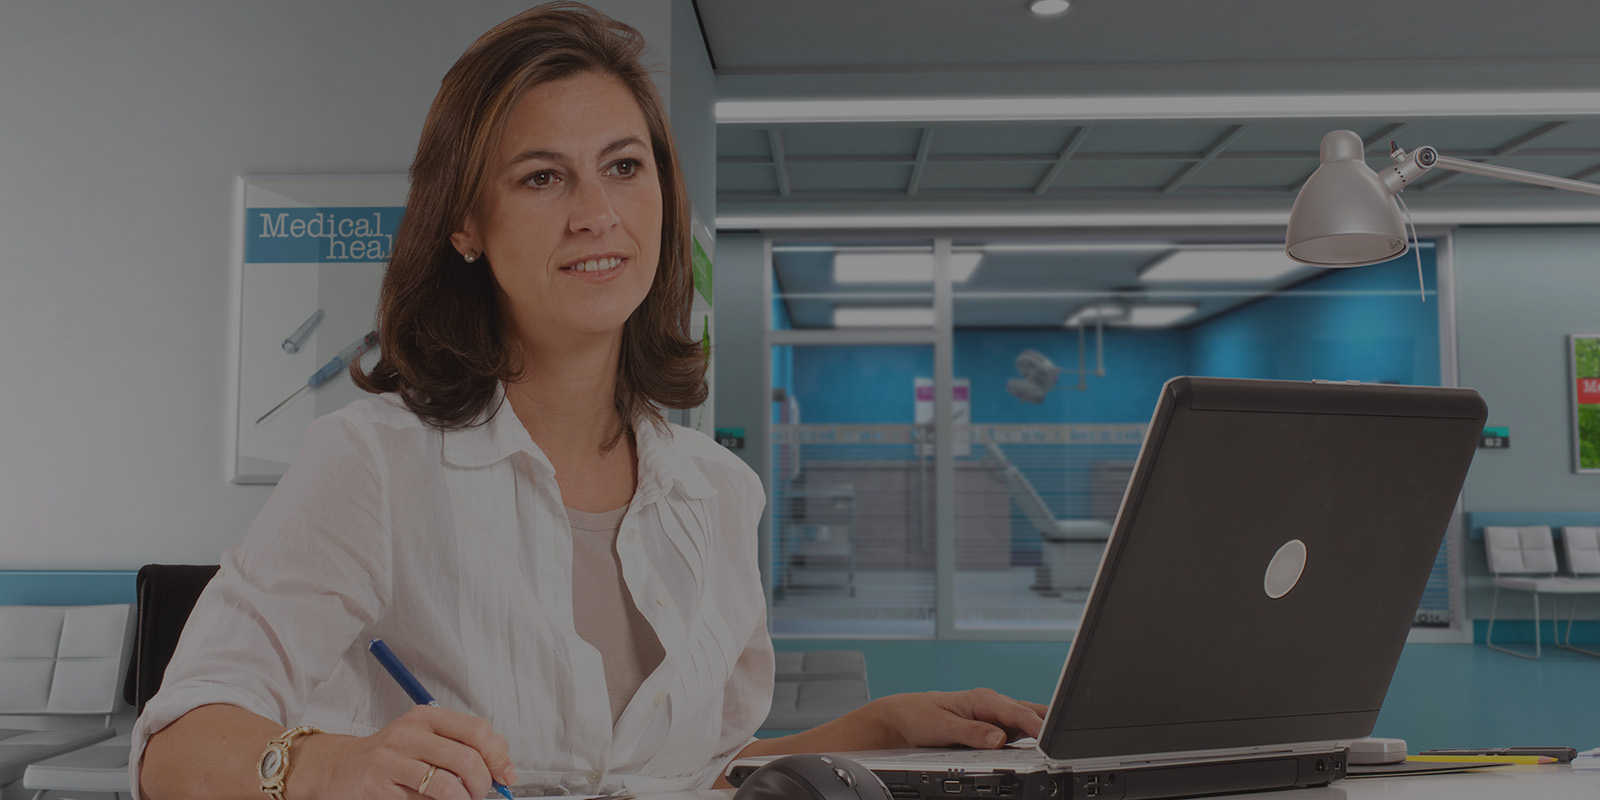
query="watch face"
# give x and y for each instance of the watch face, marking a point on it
(271, 762)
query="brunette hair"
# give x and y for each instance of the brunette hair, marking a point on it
(439, 325)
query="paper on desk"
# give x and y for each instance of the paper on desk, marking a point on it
(1588, 759)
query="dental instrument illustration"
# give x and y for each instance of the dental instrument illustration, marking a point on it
(292, 344)
(334, 366)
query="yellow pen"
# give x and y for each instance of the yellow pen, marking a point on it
(1487, 759)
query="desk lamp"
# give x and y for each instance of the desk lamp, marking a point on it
(1346, 214)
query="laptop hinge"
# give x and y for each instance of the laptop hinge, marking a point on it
(1191, 756)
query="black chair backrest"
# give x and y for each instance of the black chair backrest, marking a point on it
(166, 594)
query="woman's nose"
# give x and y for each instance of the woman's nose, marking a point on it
(592, 210)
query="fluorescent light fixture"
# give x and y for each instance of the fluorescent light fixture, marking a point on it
(882, 317)
(1407, 105)
(1048, 8)
(1107, 313)
(1158, 315)
(1544, 215)
(1221, 265)
(1077, 247)
(868, 266)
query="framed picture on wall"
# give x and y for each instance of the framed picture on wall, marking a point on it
(310, 252)
(1583, 353)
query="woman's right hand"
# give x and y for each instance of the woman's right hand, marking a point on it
(391, 764)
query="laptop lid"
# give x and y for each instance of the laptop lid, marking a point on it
(1262, 574)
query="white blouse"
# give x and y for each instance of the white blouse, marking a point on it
(456, 549)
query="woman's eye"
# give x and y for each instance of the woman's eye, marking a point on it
(626, 168)
(541, 179)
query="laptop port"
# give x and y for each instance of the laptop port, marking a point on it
(1322, 766)
(1006, 789)
(952, 787)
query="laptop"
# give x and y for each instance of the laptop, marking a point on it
(1260, 580)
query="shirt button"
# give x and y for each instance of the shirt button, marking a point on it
(632, 535)
(594, 777)
(661, 698)
(661, 601)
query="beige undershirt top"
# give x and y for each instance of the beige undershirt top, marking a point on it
(604, 612)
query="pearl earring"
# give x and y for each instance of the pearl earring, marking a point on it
(469, 257)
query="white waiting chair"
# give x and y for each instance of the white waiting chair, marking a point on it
(59, 661)
(1582, 547)
(1524, 559)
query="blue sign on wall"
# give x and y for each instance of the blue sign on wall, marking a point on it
(341, 235)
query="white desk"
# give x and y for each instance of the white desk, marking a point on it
(1519, 782)
(1524, 781)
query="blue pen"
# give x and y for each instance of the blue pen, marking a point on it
(413, 687)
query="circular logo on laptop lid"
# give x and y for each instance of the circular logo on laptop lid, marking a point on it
(1284, 570)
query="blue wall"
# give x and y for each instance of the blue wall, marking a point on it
(1337, 333)
(1391, 338)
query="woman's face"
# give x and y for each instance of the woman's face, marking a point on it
(570, 216)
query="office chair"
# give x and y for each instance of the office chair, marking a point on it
(166, 594)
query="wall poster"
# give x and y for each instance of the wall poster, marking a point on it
(310, 254)
(1583, 353)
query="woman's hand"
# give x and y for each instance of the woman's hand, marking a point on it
(464, 751)
(981, 718)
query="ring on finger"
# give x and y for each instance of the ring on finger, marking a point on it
(422, 788)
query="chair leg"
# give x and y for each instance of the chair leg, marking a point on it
(1488, 636)
(39, 794)
(1572, 611)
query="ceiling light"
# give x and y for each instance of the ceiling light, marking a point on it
(1158, 316)
(1232, 107)
(1048, 8)
(856, 266)
(1221, 265)
(1076, 247)
(882, 317)
(1099, 312)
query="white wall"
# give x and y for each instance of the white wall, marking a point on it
(1519, 293)
(122, 129)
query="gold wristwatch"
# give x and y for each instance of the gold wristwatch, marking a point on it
(274, 766)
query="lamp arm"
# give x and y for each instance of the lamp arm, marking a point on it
(1508, 174)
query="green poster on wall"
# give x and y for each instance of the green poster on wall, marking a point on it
(1585, 353)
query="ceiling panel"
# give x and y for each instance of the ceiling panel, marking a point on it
(1150, 175)
(1297, 135)
(981, 176)
(1274, 174)
(1030, 137)
(849, 177)
(747, 178)
(743, 141)
(1185, 137)
(835, 139)
(1584, 133)
(1465, 134)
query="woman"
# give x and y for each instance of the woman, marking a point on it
(573, 579)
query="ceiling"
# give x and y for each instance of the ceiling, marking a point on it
(891, 49)
(1514, 84)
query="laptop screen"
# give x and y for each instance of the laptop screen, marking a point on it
(1262, 574)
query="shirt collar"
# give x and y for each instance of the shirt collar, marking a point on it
(497, 434)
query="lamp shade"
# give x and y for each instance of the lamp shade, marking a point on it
(1344, 216)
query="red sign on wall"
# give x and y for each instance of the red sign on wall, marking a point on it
(1589, 391)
